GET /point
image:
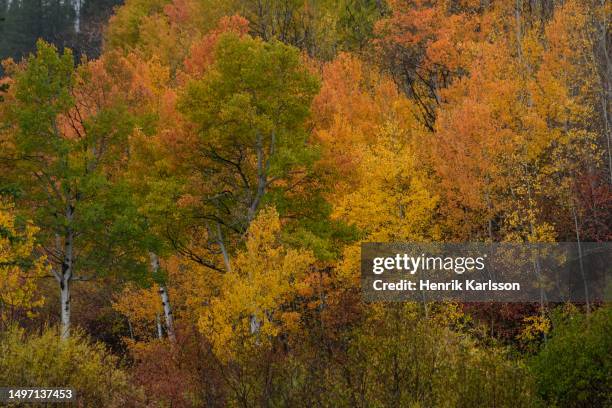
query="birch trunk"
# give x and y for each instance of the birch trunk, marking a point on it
(64, 277)
(254, 324)
(76, 5)
(65, 305)
(163, 293)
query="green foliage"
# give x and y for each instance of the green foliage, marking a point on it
(46, 361)
(255, 89)
(313, 228)
(67, 158)
(124, 30)
(574, 368)
(394, 358)
(43, 90)
(356, 22)
(420, 363)
(250, 110)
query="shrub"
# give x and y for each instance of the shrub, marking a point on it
(574, 368)
(46, 361)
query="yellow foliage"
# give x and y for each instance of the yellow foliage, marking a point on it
(191, 288)
(264, 278)
(535, 328)
(19, 266)
(141, 306)
(392, 201)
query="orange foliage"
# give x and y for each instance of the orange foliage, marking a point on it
(354, 102)
(201, 53)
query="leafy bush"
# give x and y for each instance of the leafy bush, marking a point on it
(415, 362)
(395, 359)
(46, 361)
(574, 369)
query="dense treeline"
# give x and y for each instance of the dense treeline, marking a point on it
(181, 217)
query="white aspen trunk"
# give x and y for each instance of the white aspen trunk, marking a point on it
(518, 7)
(65, 277)
(255, 324)
(263, 167)
(261, 181)
(536, 262)
(65, 305)
(490, 210)
(76, 4)
(163, 293)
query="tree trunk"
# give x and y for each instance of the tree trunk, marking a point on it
(606, 75)
(163, 293)
(76, 5)
(130, 328)
(220, 240)
(584, 282)
(254, 324)
(65, 305)
(65, 276)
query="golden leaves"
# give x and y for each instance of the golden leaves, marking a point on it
(250, 308)
(20, 267)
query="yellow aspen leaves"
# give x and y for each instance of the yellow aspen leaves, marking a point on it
(20, 265)
(250, 308)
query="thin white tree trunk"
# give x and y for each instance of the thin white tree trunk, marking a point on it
(163, 293)
(65, 305)
(254, 324)
(606, 83)
(65, 276)
(76, 4)
(130, 328)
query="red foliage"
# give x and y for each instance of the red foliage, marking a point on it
(177, 375)
(595, 198)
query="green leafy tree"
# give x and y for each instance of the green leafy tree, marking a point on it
(249, 111)
(64, 151)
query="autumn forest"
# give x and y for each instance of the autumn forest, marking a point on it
(182, 208)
